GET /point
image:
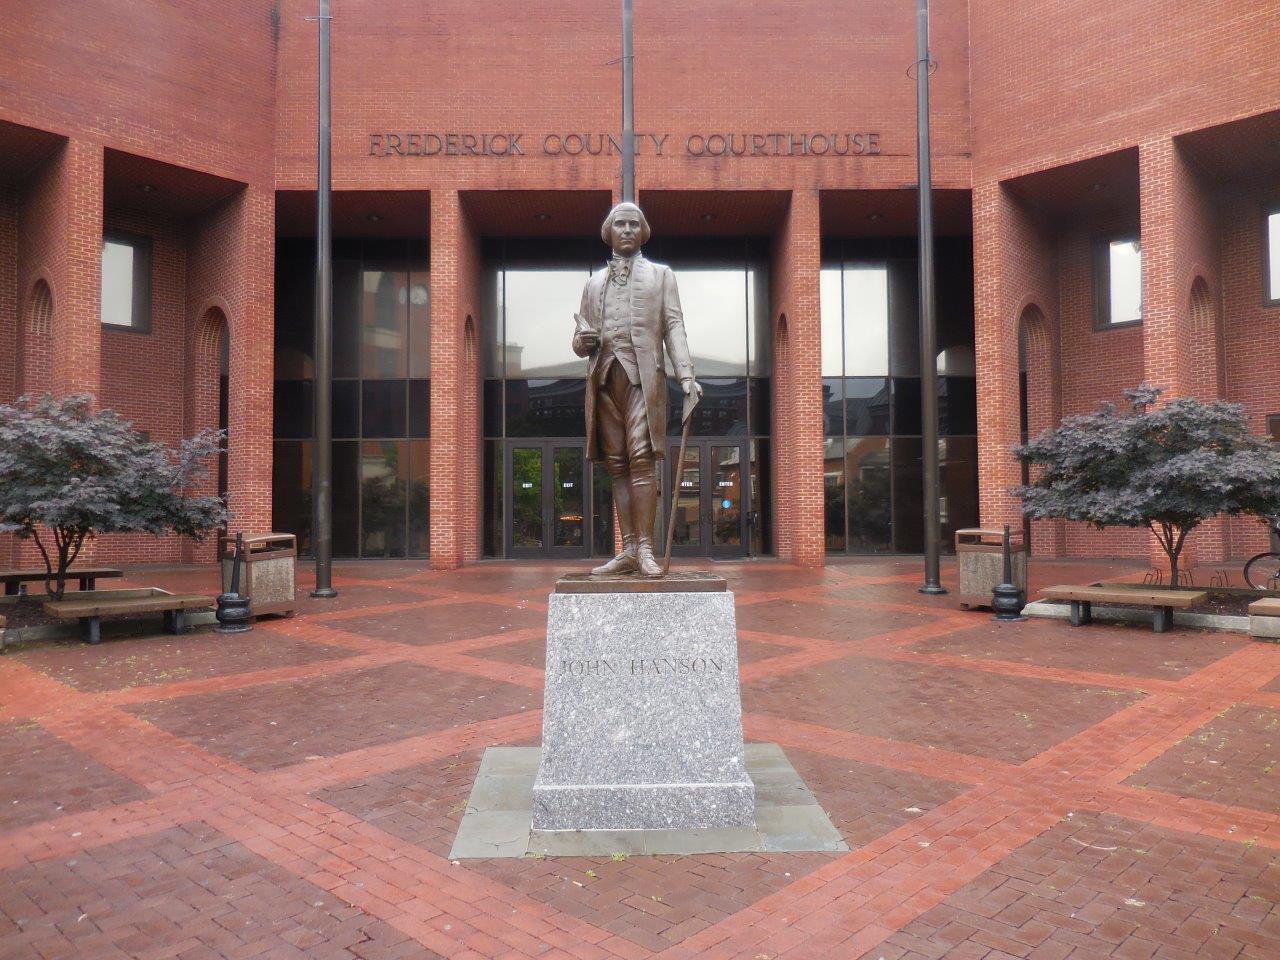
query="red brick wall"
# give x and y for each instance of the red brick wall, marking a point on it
(139, 367)
(8, 294)
(455, 372)
(162, 80)
(1250, 327)
(177, 80)
(1053, 82)
(482, 65)
(798, 512)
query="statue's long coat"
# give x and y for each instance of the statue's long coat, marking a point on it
(656, 319)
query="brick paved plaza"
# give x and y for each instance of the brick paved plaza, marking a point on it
(1022, 790)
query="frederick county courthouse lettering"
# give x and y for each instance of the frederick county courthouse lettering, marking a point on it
(607, 144)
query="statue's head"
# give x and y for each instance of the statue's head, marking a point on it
(625, 229)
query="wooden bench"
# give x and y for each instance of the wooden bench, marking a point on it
(1264, 619)
(90, 610)
(1164, 602)
(88, 577)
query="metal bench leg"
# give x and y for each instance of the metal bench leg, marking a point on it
(1075, 613)
(1163, 620)
(11, 588)
(179, 621)
(88, 583)
(1086, 612)
(91, 629)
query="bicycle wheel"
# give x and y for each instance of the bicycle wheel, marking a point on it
(1263, 571)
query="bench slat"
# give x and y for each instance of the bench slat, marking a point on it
(1139, 597)
(75, 609)
(75, 573)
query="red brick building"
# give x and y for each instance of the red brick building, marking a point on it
(1106, 180)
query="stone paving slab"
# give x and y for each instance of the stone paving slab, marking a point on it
(499, 820)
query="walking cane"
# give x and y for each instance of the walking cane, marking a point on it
(690, 401)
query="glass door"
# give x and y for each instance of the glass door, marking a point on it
(726, 520)
(526, 529)
(567, 493)
(547, 500)
(710, 517)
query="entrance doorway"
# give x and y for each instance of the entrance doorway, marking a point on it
(547, 499)
(710, 516)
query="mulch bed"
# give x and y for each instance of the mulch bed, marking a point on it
(28, 611)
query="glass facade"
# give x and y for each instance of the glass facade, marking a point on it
(534, 395)
(380, 399)
(872, 471)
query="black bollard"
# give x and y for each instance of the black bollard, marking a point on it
(233, 610)
(1006, 599)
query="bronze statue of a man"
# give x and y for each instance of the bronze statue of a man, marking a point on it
(628, 312)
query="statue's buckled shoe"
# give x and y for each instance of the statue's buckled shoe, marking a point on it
(625, 562)
(645, 560)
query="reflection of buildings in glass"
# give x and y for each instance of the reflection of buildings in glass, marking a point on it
(546, 407)
(384, 299)
(870, 505)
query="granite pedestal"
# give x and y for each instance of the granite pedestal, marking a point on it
(642, 723)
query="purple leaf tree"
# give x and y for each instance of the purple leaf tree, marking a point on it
(69, 472)
(1168, 468)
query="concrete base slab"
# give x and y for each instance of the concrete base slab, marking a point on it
(498, 821)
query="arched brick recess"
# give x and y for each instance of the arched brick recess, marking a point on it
(1038, 344)
(207, 357)
(1206, 342)
(34, 377)
(1211, 543)
(35, 346)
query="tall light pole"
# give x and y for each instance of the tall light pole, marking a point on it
(928, 319)
(322, 483)
(628, 109)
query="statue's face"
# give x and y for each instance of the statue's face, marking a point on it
(624, 233)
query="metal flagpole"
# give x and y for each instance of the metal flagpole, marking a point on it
(323, 481)
(928, 329)
(628, 110)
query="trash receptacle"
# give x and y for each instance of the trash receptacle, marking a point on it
(269, 576)
(980, 559)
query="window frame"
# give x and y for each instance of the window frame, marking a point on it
(1269, 210)
(1102, 281)
(143, 248)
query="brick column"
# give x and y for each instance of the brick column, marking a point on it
(455, 370)
(231, 270)
(60, 242)
(1015, 273)
(798, 514)
(59, 284)
(1181, 340)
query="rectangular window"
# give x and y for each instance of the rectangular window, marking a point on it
(854, 306)
(126, 282)
(1117, 282)
(1273, 256)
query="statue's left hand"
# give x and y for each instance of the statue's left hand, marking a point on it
(689, 386)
